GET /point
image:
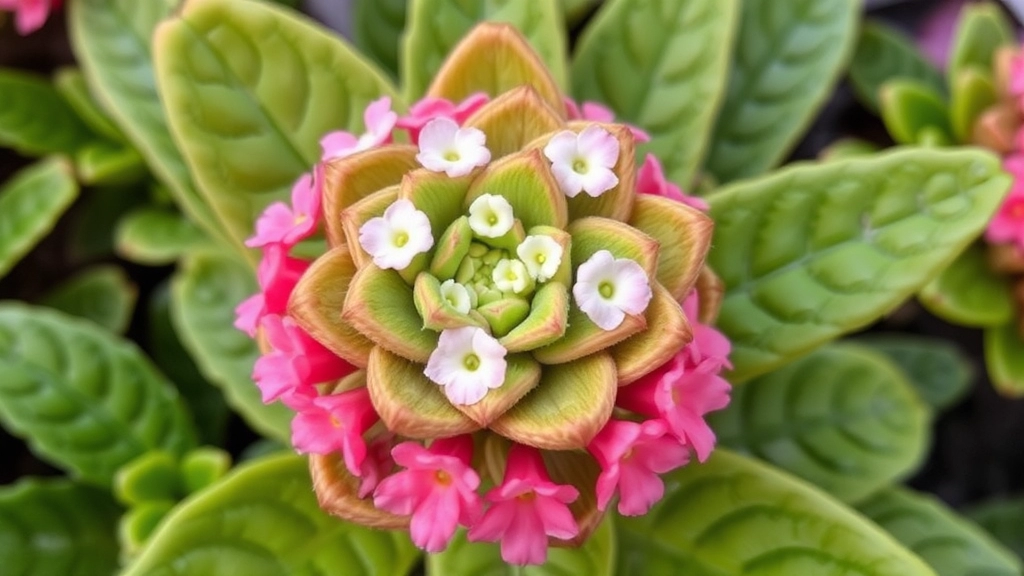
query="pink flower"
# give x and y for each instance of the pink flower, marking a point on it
(598, 113)
(377, 464)
(29, 15)
(288, 225)
(525, 509)
(651, 180)
(336, 423)
(277, 275)
(631, 457)
(438, 488)
(1007, 226)
(429, 108)
(379, 120)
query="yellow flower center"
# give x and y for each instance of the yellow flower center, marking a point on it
(606, 289)
(401, 239)
(471, 362)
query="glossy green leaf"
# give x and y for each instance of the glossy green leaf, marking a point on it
(379, 25)
(815, 251)
(34, 119)
(788, 56)
(884, 53)
(844, 418)
(1003, 519)
(676, 55)
(71, 84)
(249, 89)
(848, 148)
(937, 368)
(156, 236)
(972, 93)
(981, 29)
(151, 477)
(111, 39)
(205, 291)
(951, 544)
(733, 515)
(435, 26)
(263, 520)
(103, 294)
(83, 398)
(30, 204)
(105, 163)
(969, 292)
(1004, 356)
(912, 111)
(595, 558)
(57, 527)
(203, 467)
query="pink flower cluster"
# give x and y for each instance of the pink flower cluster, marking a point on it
(29, 15)
(436, 485)
(1007, 226)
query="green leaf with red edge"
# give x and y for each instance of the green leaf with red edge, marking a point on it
(969, 292)
(1004, 357)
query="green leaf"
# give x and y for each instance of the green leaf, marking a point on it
(972, 93)
(847, 148)
(34, 119)
(263, 520)
(111, 40)
(71, 84)
(981, 29)
(844, 418)
(435, 26)
(1004, 356)
(379, 25)
(30, 204)
(595, 558)
(249, 89)
(95, 218)
(969, 292)
(937, 368)
(104, 163)
(103, 294)
(155, 236)
(733, 515)
(815, 251)
(50, 527)
(83, 398)
(952, 545)
(913, 111)
(884, 53)
(1003, 519)
(205, 291)
(676, 53)
(788, 56)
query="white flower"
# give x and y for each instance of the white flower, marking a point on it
(444, 147)
(490, 216)
(607, 289)
(467, 362)
(584, 161)
(457, 296)
(394, 239)
(542, 256)
(510, 276)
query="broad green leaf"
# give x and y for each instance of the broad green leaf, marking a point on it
(848, 148)
(51, 527)
(95, 219)
(844, 418)
(969, 292)
(735, 516)
(1003, 519)
(156, 236)
(71, 84)
(103, 294)
(951, 544)
(434, 27)
(35, 120)
(913, 111)
(379, 25)
(663, 65)
(83, 398)
(104, 163)
(1004, 356)
(972, 93)
(815, 251)
(981, 29)
(788, 56)
(936, 367)
(576, 10)
(595, 558)
(30, 204)
(884, 53)
(249, 89)
(111, 40)
(205, 291)
(263, 520)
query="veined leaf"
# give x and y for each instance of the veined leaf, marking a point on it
(843, 418)
(103, 294)
(914, 113)
(434, 27)
(30, 204)
(70, 82)
(249, 89)
(379, 25)
(981, 29)
(155, 236)
(50, 527)
(787, 57)
(35, 120)
(1003, 519)
(936, 367)
(1004, 356)
(733, 515)
(969, 292)
(263, 520)
(663, 65)
(105, 163)
(952, 545)
(884, 53)
(847, 148)
(815, 251)
(83, 398)
(205, 291)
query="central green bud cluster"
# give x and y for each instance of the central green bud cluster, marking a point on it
(477, 274)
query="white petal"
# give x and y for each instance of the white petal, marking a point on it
(465, 391)
(598, 146)
(490, 216)
(632, 288)
(446, 365)
(375, 235)
(600, 311)
(510, 276)
(569, 181)
(492, 359)
(561, 149)
(456, 295)
(598, 180)
(433, 161)
(597, 268)
(438, 135)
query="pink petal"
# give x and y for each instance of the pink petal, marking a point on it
(337, 144)
(434, 521)
(248, 314)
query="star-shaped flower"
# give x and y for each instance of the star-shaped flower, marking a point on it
(467, 362)
(490, 216)
(608, 288)
(394, 239)
(542, 256)
(290, 224)
(583, 162)
(444, 147)
(379, 120)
